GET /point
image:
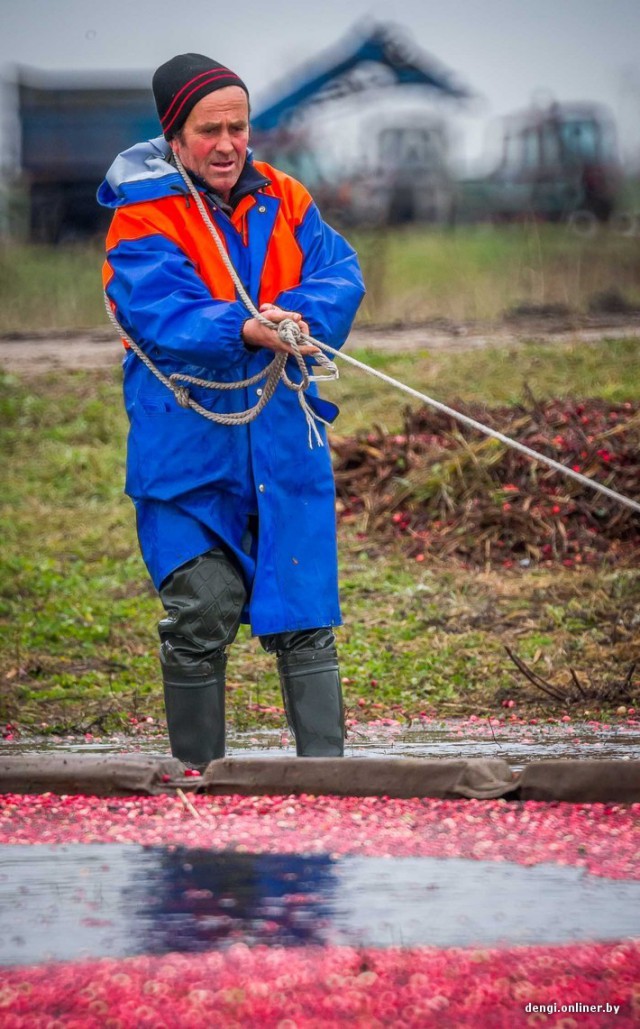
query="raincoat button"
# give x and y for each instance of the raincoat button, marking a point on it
(262, 209)
(262, 487)
(259, 392)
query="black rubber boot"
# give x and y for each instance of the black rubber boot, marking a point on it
(312, 694)
(195, 712)
(203, 600)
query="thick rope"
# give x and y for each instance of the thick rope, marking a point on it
(584, 480)
(291, 333)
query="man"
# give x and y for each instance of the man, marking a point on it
(236, 523)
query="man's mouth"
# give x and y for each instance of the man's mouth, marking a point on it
(222, 165)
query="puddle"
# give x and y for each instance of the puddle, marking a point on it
(97, 900)
(516, 744)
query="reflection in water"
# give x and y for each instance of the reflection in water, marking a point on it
(103, 900)
(194, 900)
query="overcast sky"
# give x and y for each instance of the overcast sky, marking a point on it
(506, 50)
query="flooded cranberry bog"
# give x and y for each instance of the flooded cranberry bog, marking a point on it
(407, 884)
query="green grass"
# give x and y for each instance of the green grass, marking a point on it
(46, 287)
(78, 617)
(478, 273)
(502, 375)
(466, 274)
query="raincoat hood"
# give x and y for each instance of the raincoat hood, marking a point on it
(142, 172)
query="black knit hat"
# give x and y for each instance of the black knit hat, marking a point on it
(182, 81)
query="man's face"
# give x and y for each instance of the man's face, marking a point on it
(213, 140)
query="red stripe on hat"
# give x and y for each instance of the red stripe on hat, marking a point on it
(200, 75)
(206, 82)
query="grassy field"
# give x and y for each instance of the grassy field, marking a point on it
(466, 274)
(78, 616)
(482, 272)
(500, 375)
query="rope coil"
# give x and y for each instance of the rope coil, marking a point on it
(290, 333)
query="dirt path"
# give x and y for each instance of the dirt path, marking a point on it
(36, 353)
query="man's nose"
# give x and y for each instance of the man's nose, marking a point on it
(224, 143)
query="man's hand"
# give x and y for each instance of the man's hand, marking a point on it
(255, 334)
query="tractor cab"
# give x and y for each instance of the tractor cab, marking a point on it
(556, 163)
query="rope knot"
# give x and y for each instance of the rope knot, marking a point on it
(182, 395)
(290, 332)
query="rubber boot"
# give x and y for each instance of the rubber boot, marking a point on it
(312, 694)
(203, 600)
(195, 709)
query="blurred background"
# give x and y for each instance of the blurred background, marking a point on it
(416, 112)
(484, 159)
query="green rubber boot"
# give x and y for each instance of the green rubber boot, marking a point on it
(195, 709)
(312, 694)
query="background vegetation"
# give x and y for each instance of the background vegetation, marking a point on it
(78, 615)
(470, 273)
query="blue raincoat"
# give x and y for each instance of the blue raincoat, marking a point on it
(196, 484)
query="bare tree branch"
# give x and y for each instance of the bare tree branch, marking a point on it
(537, 681)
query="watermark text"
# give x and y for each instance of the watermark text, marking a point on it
(573, 1009)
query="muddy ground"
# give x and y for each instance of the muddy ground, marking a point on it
(36, 353)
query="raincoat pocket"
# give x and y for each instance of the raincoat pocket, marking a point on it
(172, 451)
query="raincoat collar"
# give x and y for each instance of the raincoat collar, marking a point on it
(250, 181)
